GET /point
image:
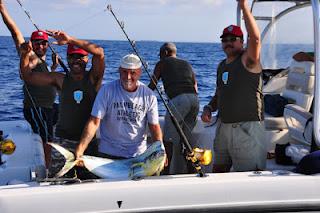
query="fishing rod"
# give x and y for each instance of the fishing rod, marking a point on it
(36, 26)
(190, 155)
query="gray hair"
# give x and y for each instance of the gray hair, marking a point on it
(169, 47)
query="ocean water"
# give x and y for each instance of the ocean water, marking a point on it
(204, 58)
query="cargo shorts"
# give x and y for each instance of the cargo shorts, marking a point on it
(240, 145)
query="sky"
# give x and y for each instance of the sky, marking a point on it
(160, 20)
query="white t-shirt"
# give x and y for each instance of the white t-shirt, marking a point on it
(125, 116)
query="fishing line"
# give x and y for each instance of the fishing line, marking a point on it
(51, 48)
(190, 153)
(85, 20)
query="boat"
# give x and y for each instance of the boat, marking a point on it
(23, 186)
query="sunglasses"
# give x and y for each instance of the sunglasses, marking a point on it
(76, 57)
(40, 42)
(230, 39)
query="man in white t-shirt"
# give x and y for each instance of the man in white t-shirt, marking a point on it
(124, 109)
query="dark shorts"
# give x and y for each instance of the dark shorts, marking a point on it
(40, 121)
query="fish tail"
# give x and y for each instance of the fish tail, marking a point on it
(69, 156)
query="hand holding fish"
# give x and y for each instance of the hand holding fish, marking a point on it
(78, 155)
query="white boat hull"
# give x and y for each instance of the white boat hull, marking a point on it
(232, 192)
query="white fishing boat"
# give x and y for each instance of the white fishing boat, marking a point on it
(277, 189)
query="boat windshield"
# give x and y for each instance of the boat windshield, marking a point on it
(286, 27)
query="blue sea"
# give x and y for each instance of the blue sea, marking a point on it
(204, 58)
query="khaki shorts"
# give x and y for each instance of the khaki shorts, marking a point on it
(240, 145)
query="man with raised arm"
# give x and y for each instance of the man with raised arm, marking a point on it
(38, 100)
(123, 109)
(78, 89)
(240, 136)
(181, 87)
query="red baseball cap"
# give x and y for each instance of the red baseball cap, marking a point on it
(72, 49)
(232, 30)
(39, 35)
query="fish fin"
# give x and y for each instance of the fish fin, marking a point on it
(66, 168)
(161, 167)
(70, 160)
(158, 172)
(137, 170)
(139, 164)
(69, 156)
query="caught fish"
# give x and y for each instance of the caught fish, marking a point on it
(147, 164)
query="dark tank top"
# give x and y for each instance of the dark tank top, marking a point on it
(43, 96)
(239, 93)
(76, 101)
(176, 76)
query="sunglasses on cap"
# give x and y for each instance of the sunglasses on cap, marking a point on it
(230, 39)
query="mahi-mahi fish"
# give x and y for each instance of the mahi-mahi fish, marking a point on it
(149, 163)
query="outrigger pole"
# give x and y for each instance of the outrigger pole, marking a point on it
(190, 155)
(36, 26)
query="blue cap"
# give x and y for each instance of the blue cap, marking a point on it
(309, 164)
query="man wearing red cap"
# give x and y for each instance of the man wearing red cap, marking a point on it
(38, 100)
(78, 89)
(239, 141)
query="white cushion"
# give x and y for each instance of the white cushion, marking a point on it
(298, 122)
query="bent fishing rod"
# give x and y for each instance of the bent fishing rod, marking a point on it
(190, 156)
(36, 26)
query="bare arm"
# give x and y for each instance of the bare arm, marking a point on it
(195, 83)
(251, 58)
(36, 78)
(156, 76)
(12, 27)
(87, 135)
(156, 133)
(55, 62)
(214, 103)
(98, 65)
(208, 109)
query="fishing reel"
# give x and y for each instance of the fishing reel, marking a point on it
(7, 147)
(203, 156)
